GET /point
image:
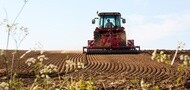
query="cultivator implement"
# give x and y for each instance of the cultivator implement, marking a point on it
(123, 50)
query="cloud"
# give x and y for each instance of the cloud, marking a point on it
(147, 29)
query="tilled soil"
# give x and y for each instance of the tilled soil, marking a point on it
(111, 71)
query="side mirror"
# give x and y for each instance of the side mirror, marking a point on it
(93, 21)
(123, 20)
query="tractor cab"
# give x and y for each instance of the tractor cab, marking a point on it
(109, 20)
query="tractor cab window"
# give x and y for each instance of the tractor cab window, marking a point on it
(109, 21)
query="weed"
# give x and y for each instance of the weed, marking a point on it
(180, 46)
(160, 57)
(156, 87)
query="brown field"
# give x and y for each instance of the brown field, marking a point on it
(113, 71)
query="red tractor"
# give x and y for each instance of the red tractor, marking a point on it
(110, 36)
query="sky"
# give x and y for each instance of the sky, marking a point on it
(66, 24)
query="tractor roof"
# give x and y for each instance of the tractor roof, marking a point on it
(109, 13)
